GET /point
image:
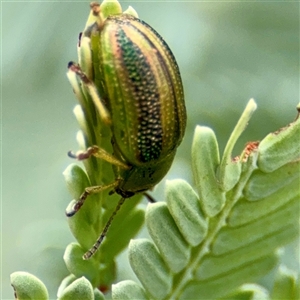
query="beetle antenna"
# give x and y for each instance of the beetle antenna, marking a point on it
(149, 198)
(97, 244)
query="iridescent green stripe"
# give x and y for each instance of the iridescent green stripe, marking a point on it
(145, 94)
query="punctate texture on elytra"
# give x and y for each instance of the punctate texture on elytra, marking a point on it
(143, 88)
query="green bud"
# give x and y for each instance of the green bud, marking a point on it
(78, 290)
(79, 267)
(65, 282)
(76, 179)
(109, 8)
(27, 286)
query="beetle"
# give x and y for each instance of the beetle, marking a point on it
(140, 95)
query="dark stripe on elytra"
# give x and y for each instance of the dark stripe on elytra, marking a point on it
(144, 89)
(168, 75)
(166, 71)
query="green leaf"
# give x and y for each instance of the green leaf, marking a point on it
(66, 281)
(168, 239)
(212, 266)
(98, 295)
(79, 267)
(27, 286)
(150, 268)
(215, 250)
(78, 290)
(220, 286)
(76, 180)
(187, 214)
(261, 185)
(127, 290)
(249, 292)
(285, 286)
(205, 158)
(247, 211)
(231, 238)
(280, 147)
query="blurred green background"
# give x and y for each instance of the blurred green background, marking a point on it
(228, 52)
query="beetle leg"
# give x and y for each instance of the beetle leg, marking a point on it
(96, 246)
(149, 198)
(99, 153)
(92, 90)
(88, 191)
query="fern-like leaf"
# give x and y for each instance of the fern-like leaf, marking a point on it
(210, 242)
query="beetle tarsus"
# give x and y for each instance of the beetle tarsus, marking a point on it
(72, 154)
(74, 67)
(81, 155)
(70, 213)
(75, 208)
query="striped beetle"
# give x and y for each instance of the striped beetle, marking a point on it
(139, 93)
